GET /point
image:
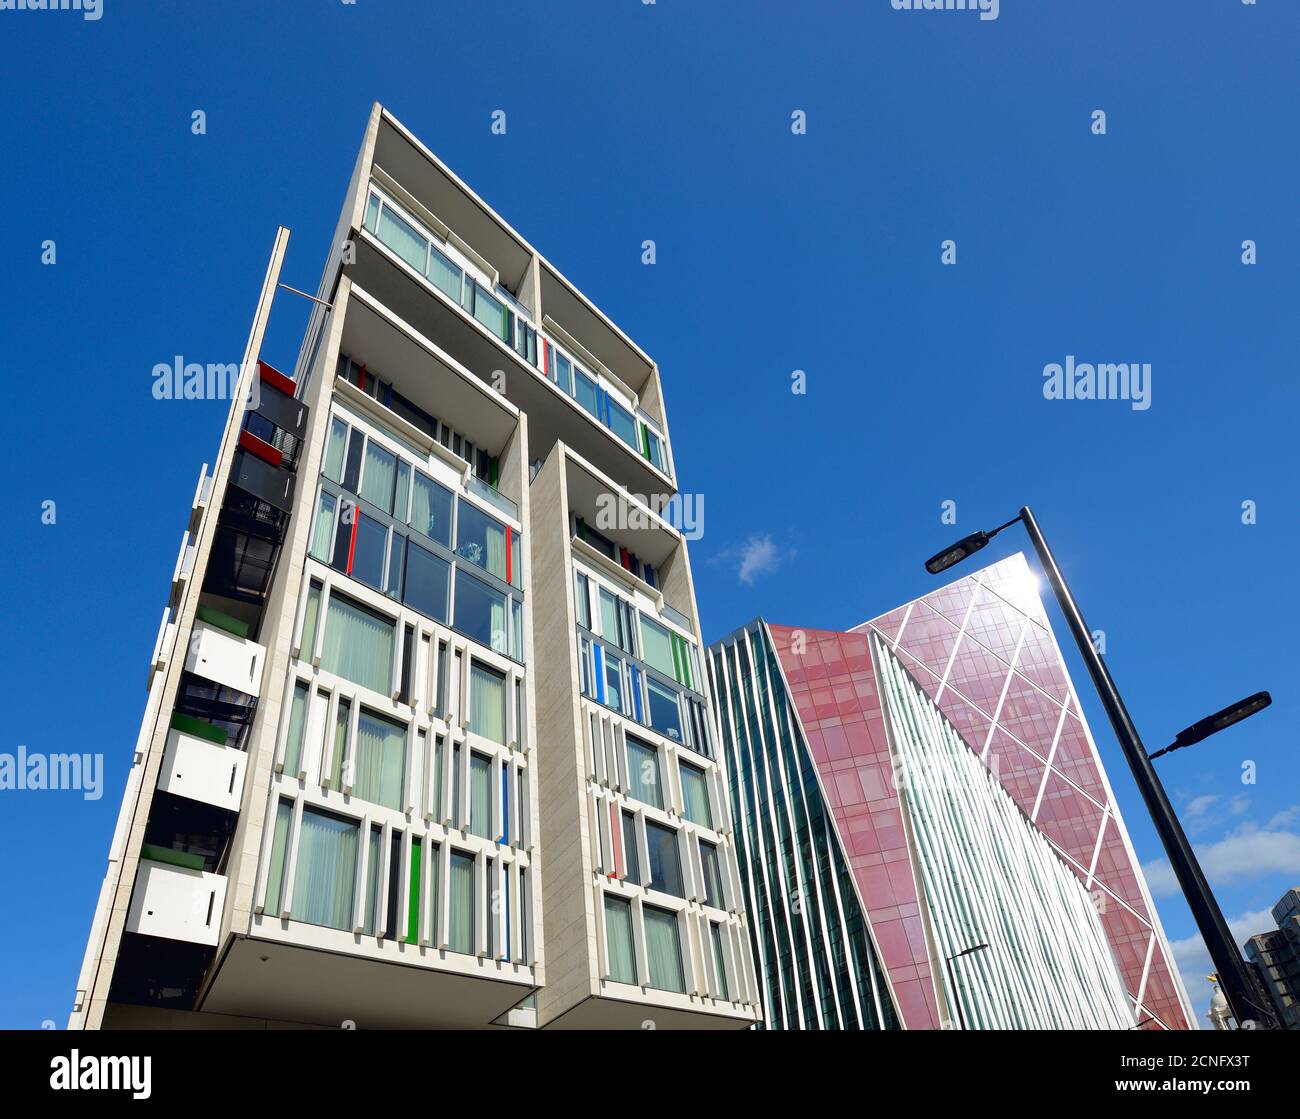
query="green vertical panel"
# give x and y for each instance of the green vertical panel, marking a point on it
(413, 907)
(494, 471)
(677, 658)
(582, 529)
(686, 663)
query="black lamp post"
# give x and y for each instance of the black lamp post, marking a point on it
(1249, 1005)
(952, 980)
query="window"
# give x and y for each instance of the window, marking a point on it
(443, 274)
(369, 548)
(654, 449)
(631, 851)
(663, 950)
(621, 422)
(341, 716)
(480, 612)
(460, 922)
(614, 696)
(620, 952)
(380, 766)
(358, 645)
(428, 578)
(332, 467)
(431, 509)
(719, 962)
(379, 477)
(616, 621)
(322, 541)
(481, 540)
(563, 372)
(326, 873)
(279, 848)
(297, 724)
(396, 562)
(311, 615)
(657, 646)
(586, 393)
(374, 868)
(695, 795)
(643, 772)
(665, 863)
(487, 702)
(480, 796)
(402, 237)
(713, 894)
(665, 711)
(582, 599)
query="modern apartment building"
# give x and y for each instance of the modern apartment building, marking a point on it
(926, 836)
(427, 740)
(1276, 956)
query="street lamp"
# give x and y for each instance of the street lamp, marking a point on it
(1248, 1003)
(952, 980)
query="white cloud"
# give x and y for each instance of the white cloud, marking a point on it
(1199, 805)
(1242, 856)
(759, 555)
(1284, 819)
(1193, 961)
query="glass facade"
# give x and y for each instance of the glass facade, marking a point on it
(981, 649)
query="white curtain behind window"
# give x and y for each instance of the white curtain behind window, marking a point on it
(380, 761)
(460, 922)
(663, 950)
(358, 646)
(327, 863)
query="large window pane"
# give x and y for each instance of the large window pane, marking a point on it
(712, 875)
(279, 849)
(402, 237)
(481, 612)
(663, 950)
(332, 468)
(431, 509)
(665, 863)
(719, 961)
(380, 766)
(369, 548)
(621, 957)
(480, 796)
(443, 274)
(491, 312)
(322, 541)
(621, 423)
(373, 871)
(643, 772)
(481, 540)
(379, 476)
(487, 703)
(460, 917)
(326, 873)
(585, 392)
(427, 579)
(665, 711)
(695, 795)
(631, 852)
(297, 722)
(358, 645)
(656, 646)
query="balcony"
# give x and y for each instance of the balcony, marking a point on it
(219, 653)
(202, 767)
(568, 392)
(175, 899)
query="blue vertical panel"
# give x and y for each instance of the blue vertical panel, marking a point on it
(636, 692)
(599, 656)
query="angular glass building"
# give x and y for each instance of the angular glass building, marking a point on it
(925, 833)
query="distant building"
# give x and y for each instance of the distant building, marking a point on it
(925, 833)
(1277, 956)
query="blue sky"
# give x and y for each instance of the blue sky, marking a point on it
(775, 252)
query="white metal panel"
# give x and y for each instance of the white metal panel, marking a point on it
(176, 903)
(225, 659)
(201, 770)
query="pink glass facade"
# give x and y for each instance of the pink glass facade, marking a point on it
(982, 649)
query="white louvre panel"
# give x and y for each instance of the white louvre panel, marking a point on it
(225, 659)
(201, 770)
(176, 903)
(985, 867)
